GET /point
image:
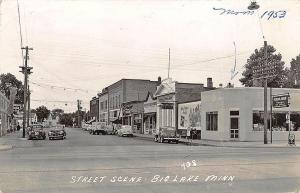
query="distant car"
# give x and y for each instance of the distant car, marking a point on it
(36, 132)
(57, 133)
(84, 126)
(88, 127)
(125, 130)
(109, 130)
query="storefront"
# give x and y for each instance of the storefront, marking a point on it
(132, 114)
(171, 93)
(150, 115)
(4, 121)
(236, 114)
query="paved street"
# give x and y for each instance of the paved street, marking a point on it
(91, 163)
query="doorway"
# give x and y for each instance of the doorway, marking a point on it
(234, 125)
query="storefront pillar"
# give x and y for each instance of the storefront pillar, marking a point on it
(176, 116)
(142, 124)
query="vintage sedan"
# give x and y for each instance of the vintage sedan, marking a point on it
(36, 132)
(125, 130)
(57, 133)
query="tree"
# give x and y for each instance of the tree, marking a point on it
(13, 81)
(42, 113)
(66, 119)
(293, 74)
(257, 58)
(57, 112)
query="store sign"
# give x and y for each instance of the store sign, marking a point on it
(166, 98)
(167, 106)
(281, 101)
(127, 109)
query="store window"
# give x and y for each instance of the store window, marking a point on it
(279, 121)
(115, 113)
(212, 121)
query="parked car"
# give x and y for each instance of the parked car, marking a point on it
(84, 126)
(110, 130)
(88, 128)
(125, 130)
(97, 128)
(58, 132)
(36, 132)
(166, 134)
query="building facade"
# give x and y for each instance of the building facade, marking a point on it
(4, 117)
(124, 91)
(132, 114)
(171, 93)
(94, 108)
(236, 114)
(149, 115)
(103, 106)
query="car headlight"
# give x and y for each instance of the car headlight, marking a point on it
(50, 133)
(61, 132)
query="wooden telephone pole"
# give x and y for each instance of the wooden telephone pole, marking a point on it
(26, 72)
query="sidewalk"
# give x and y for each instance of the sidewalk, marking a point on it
(14, 139)
(235, 144)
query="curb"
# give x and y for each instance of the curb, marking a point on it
(5, 147)
(216, 145)
(144, 138)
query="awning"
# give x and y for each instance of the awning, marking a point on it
(92, 120)
(116, 121)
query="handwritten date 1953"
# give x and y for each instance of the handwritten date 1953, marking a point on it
(275, 14)
(267, 14)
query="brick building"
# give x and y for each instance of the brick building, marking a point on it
(94, 108)
(127, 90)
(103, 106)
(123, 91)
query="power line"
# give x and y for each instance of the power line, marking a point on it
(20, 31)
(55, 101)
(61, 87)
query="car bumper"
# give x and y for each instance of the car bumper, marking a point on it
(56, 136)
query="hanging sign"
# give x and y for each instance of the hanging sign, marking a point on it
(281, 101)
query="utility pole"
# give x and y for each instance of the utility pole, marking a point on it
(29, 112)
(26, 71)
(271, 114)
(265, 98)
(78, 114)
(169, 63)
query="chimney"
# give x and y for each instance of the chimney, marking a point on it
(209, 83)
(158, 81)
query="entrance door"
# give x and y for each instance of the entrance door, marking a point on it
(234, 128)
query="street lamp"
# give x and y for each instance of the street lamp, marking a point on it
(255, 6)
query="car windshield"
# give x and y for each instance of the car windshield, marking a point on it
(57, 130)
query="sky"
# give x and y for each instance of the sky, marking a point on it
(82, 46)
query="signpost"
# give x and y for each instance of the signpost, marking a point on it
(282, 101)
